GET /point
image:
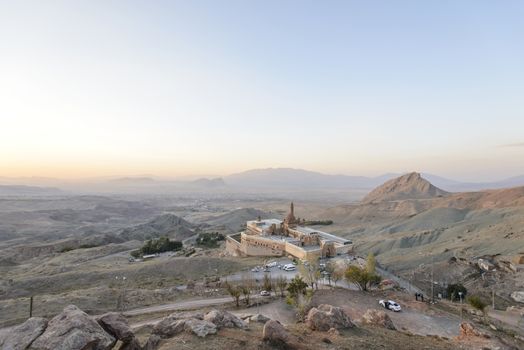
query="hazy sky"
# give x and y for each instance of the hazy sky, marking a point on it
(174, 88)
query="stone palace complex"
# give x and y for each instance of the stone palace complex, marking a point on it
(273, 237)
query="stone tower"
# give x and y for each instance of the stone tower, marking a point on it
(290, 219)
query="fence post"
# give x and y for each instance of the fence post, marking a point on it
(31, 306)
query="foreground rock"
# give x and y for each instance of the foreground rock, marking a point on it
(467, 330)
(518, 296)
(224, 319)
(199, 327)
(20, 337)
(73, 329)
(175, 323)
(378, 318)
(258, 318)
(116, 325)
(325, 317)
(153, 342)
(275, 334)
(191, 322)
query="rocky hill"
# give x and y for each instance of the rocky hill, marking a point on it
(236, 219)
(22, 190)
(408, 222)
(168, 225)
(409, 186)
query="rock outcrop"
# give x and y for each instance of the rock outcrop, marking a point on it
(224, 319)
(116, 325)
(175, 323)
(73, 329)
(22, 336)
(197, 323)
(152, 342)
(199, 327)
(378, 318)
(275, 334)
(518, 296)
(325, 317)
(467, 330)
(258, 318)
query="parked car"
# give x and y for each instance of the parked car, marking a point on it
(271, 264)
(289, 267)
(390, 305)
(265, 293)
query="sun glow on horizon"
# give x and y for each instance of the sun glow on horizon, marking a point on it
(176, 89)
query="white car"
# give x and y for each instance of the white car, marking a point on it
(289, 267)
(390, 305)
(265, 293)
(271, 264)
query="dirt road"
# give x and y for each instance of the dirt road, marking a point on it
(415, 317)
(182, 305)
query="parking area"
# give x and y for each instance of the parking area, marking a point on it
(415, 317)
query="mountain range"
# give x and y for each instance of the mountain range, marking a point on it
(251, 180)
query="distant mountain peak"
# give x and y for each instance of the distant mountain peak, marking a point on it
(408, 186)
(205, 182)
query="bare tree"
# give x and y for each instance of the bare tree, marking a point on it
(267, 285)
(246, 287)
(310, 271)
(281, 284)
(234, 292)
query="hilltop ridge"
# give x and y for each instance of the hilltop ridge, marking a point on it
(408, 186)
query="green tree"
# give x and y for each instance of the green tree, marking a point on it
(361, 277)
(297, 286)
(477, 303)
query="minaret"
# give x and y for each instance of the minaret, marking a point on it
(290, 219)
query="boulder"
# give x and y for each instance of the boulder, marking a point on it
(378, 318)
(224, 319)
(133, 344)
(324, 317)
(467, 330)
(259, 318)
(275, 333)
(169, 328)
(116, 325)
(175, 323)
(518, 296)
(199, 327)
(152, 342)
(21, 336)
(73, 329)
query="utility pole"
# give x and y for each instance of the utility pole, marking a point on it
(460, 296)
(432, 281)
(31, 307)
